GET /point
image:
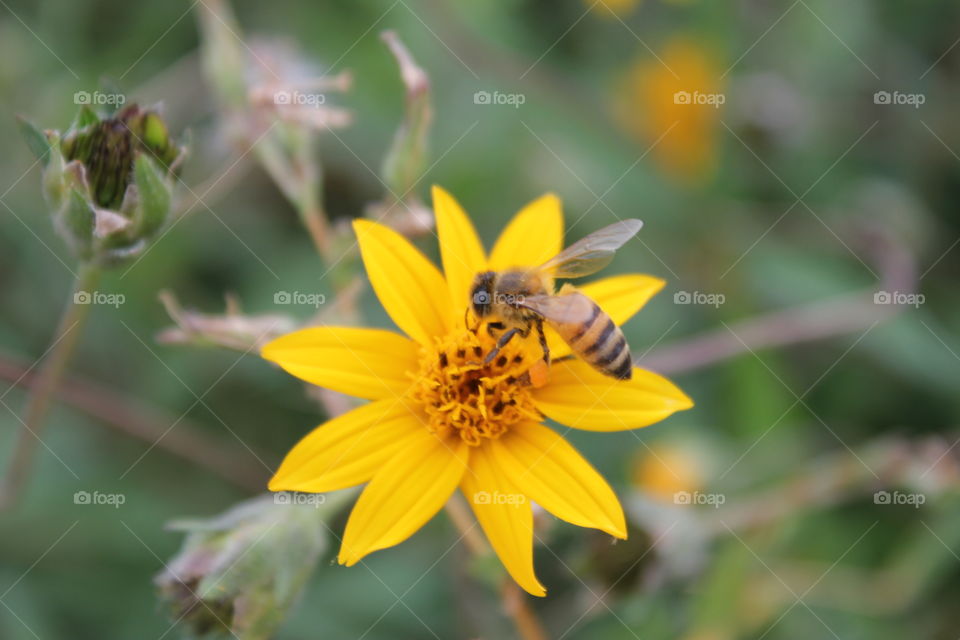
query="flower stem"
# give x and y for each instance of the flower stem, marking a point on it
(524, 619)
(38, 405)
(315, 220)
(514, 600)
(463, 521)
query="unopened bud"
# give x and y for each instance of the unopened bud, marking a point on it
(109, 180)
(239, 572)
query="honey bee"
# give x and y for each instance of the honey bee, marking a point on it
(522, 299)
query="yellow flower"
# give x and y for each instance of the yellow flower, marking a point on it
(664, 470)
(671, 101)
(613, 8)
(438, 419)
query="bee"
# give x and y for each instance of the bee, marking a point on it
(522, 300)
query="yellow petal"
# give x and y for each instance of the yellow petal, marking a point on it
(460, 248)
(622, 296)
(367, 363)
(505, 515)
(406, 492)
(533, 236)
(549, 470)
(347, 450)
(578, 396)
(619, 296)
(409, 287)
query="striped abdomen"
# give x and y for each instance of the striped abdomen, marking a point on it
(598, 341)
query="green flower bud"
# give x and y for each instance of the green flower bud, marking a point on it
(109, 180)
(241, 571)
(108, 148)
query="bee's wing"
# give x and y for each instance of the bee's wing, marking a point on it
(568, 308)
(592, 253)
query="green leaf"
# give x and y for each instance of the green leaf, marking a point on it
(78, 221)
(36, 140)
(84, 118)
(154, 195)
(54, 188)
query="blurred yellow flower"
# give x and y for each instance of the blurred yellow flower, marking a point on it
(620, 7)
(664, 470)
(673, 101)
(439, 419)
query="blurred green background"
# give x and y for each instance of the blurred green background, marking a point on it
(804, 187)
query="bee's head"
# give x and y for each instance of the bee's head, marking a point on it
(481, 294)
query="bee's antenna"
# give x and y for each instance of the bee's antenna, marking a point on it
(466, 323)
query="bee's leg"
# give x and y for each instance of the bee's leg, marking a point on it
(495, 326)
(543, 341)
(501, 343)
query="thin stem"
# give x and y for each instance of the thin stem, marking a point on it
(514, 600)
(524, 618)
(315, 220)
(125, 414)
(38, 405)
(797, 325)
(463, 521)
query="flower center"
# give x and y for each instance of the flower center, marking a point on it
(460, 394)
